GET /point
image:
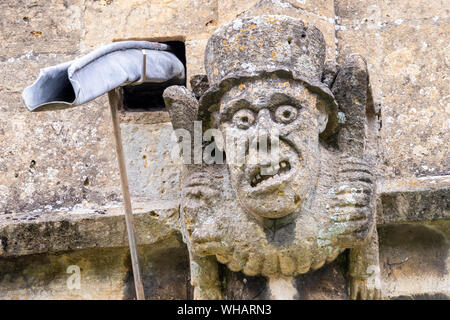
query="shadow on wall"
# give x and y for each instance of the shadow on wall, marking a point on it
(97, 273)
(414, 262)
(327, 283)
(165, 274)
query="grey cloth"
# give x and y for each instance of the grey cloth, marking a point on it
(76, 82)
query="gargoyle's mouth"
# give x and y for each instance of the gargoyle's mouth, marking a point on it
(271, 172)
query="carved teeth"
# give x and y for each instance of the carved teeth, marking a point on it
(277, 170)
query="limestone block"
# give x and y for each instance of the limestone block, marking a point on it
(58, 159)
(67, 158)
(323, 8)
(39, 26)
(376, 12)
(78, 228)
(39, 254)
(106, 21)
(414, 262)
(408, 65)
(103, 274)
(326, 26)
(19, 72)
(318, 13)
(414, 200)
(71, 160)
(230, 9)
(152, 171)
(100, 273)
(195, 53)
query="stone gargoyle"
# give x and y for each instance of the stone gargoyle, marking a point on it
(280, 219)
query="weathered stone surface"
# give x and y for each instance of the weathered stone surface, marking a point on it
(415, 261)
(376, 13)
(144, 118)
(67, 158)
(165, 272)
(327, 283)
(26, 68)
(238, 286)
(52, 160)
(112, 20)
(408, 66)
(326, 26)
(267, 43)
(104, 274)
(36, 251)
(195, 56)
(58, 160)
(38, 27)
(230, 9)
(45, 276)
(152, 172)
(421, 200)
(199, 84)
(322, 8)
(104, 227)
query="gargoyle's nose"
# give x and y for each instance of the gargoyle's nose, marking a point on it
(264, 121)
(264, 142)
(266, 130)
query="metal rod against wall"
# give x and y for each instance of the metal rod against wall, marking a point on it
(143, 70)
(129, 219)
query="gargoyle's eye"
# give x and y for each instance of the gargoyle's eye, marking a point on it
(244, 118)
(285, 114)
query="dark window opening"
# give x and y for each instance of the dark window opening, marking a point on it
(148, 96)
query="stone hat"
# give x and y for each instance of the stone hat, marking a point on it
(265, 45)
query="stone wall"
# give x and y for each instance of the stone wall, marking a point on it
(61, 166)
(406, 46)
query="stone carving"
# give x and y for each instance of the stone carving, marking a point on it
(286, 217)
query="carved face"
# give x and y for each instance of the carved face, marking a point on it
(269, 181)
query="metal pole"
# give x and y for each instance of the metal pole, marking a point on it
(113, 103)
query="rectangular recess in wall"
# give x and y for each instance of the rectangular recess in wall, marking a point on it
(147, 97)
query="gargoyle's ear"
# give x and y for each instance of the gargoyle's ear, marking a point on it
(200, 85)
(351, 90)
(323, 117)
(182, 106)
(330, 71)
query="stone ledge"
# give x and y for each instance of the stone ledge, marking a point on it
(416, 200)
(104, 228)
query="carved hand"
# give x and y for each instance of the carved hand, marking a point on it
(183, 107)
(356, 194)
